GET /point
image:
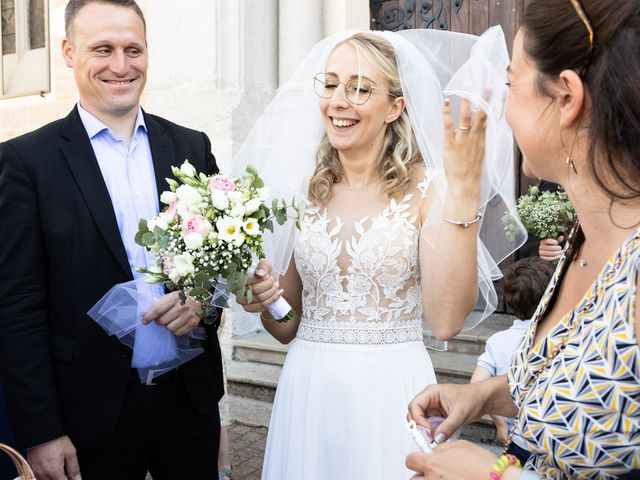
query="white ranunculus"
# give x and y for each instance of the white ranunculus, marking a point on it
(252, 205)
(219, 199)
(251, 227)
(229, 229)
(168, 197)
(193, 240)
(188, 169)
(182, 266)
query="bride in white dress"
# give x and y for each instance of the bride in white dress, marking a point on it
(361, 277)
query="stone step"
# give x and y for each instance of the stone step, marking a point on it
(257, 413)
(252, 385)
(261, 348)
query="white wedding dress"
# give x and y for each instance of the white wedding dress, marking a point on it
(358, 358)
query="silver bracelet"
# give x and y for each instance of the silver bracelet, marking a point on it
(465, 223)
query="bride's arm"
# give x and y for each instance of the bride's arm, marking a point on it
(448, 252)
(291, 287)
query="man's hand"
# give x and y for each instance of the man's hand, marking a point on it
(55, 460)
(169, 312)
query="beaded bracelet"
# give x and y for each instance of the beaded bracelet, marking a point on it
(501, 465)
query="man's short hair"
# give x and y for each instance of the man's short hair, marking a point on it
(74, 6)
(523, 285)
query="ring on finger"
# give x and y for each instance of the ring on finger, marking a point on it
(464, 128)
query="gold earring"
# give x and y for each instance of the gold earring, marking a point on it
(568, 160)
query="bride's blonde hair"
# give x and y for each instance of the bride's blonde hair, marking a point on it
(400, 158)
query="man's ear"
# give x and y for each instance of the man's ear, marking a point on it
(67, 52)
(571, 97)
(396, 109)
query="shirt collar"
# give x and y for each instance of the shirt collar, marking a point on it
(93, 126)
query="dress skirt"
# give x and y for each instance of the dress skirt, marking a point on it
(340, 411)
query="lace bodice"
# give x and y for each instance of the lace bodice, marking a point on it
(361, 274)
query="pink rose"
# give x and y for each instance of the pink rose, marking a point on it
(197, 224)
(172, 208)
(219, 182)
(167, 265)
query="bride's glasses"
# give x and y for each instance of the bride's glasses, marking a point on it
(357, 90)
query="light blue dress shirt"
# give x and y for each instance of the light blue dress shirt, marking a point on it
(130, 178)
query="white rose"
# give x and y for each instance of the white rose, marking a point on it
(188, 169)
(229, 229)
(219, 199)
(168, 197)
(252, 206)
(193, 241)
(182, 266)
(250, 226)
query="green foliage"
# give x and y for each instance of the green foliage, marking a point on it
(544, 214)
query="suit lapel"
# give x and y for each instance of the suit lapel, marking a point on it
(86, 171)
(162, 153)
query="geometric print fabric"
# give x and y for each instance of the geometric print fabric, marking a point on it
(580, 412)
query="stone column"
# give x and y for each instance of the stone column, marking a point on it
(301, 25)
(342, 15)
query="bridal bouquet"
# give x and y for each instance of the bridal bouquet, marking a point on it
(544, 214)
(210, 233)
(204, 243)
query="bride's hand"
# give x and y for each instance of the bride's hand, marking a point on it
(464, 148)
(265, 290)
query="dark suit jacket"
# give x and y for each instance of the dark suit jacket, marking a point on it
(60, 252)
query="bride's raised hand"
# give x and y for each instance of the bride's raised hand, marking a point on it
(264, 289)
(464, 148)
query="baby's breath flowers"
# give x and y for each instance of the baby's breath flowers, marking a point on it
(544, 214)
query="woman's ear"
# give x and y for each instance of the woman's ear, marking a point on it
(396, 109)
(571, 97)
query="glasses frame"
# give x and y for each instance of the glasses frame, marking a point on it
(346, 95)
(582, 14)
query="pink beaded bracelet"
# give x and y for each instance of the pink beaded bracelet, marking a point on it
(501, 465)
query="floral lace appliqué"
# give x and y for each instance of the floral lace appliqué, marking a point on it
(363, 288)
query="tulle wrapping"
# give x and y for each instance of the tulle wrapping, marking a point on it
(340, 411)
(156, 350)
(432, 64)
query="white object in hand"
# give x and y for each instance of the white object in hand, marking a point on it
(419, 436)
(280, 309)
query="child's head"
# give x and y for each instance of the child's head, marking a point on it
(523, 285)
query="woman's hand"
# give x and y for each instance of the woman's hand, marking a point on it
(464, 148)
(551, 249)
(457, 404)
(264, 289)
(456, 460)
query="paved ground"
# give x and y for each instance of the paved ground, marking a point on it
(247, 451)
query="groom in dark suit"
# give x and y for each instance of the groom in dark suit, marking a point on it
(71, 195)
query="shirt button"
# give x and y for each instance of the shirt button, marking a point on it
(138, 193)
